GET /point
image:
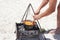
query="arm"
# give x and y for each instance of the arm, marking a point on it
(52, 6)
(44, 2)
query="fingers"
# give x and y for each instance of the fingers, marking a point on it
(35, 17)
(37, 12)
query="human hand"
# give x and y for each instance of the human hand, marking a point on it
(37, 12)
(36, 17)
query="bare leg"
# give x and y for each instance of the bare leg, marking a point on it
(57, 31)
(58, 20)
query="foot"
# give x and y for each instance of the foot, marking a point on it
(54, 31)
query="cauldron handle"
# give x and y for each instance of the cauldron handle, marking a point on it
(37, 20)
(27, 14)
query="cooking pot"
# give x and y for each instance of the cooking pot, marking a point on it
(28, 24)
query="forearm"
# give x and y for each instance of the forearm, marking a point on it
(47, 12)
(51, 8)
(44, 2)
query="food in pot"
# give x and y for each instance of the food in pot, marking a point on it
(28, 22)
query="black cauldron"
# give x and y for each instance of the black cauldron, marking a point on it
(32, 26)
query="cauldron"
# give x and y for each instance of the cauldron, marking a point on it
(29, 25)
